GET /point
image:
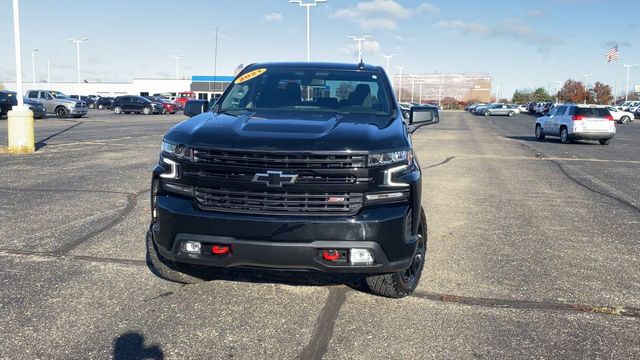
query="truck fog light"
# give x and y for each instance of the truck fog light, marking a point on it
(360, 257)
(192, 247)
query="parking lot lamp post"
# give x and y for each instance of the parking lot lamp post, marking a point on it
(177, 59)
(400, 67)
(388, 57)
(20, 125)
(359, 39)
(413, 81)
(78, 42)
(586, 84)
(308, 6)
(558, 90)
(48, 71)
(628, 66)
(420, 94)
(33, 66)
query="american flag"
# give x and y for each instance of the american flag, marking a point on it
(613, 54)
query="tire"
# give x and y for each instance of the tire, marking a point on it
(511, 113)
(539, 133)
(402, 283)
(624, 120)
(61, 112)
(604, 141)
(165, 267)
(92, 106)
(117, 110)
(565, 138)
(100, 107)
(487, 113)
(146, 111)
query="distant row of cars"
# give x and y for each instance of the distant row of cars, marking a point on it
(42, 102)
(493, 109)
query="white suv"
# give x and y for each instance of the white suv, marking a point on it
(577, 122)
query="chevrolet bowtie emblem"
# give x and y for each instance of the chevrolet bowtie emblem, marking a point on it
(275, 178)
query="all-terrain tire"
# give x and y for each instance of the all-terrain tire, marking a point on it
(165, 267)
(399, 284)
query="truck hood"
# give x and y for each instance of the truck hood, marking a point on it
(281, 133)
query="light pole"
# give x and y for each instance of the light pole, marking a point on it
(177, 59)
(586, 84)
(400, 67)
(48, 71)
(388, 57)
(308, 5)
(413, 81)
(628, 66)
(558, 90)
(16, 36)
(33, 66)
(77, 42)
(359, 39)
(420, 94)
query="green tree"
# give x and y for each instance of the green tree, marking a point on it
(540, 94)
(521, 97)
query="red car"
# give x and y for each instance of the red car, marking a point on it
(167, 106)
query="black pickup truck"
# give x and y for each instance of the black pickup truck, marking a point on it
(304, 166)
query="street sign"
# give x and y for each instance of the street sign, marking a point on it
(637, 89)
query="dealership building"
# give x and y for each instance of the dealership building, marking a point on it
(205, 87)
(432, 87)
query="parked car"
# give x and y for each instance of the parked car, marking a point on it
(56, 102)
(104, 102)
(227, 184)
(168, 107)
(479, 110)
(135, 104)
(7, 101)
(633, 107)
(500, 109)
(622, 117)
(522, 108)
(182, 98)
(38, 110)
(577, 122)
(473, 107)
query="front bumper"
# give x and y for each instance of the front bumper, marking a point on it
(78, 111)
(286, 242)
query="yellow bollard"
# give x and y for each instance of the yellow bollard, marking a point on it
(21, 131)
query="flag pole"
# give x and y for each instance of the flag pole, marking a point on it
(616, 90)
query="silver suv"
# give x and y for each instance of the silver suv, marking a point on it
(577, 122)
(55, 102)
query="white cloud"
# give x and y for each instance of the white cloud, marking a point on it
(382, 14)
(535, 13)
(514, 29)
(273, 17)
(371, 47)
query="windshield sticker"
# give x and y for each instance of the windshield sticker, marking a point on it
(250, 75)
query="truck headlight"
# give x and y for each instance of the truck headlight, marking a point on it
(405, 156)
(178, 150)
(69, 106)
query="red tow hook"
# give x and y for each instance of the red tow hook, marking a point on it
(220, 249)
(331, 255)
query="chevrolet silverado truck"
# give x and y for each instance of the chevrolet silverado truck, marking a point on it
(301, 166)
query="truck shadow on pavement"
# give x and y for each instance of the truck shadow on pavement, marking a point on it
(42, 143)
(532, 138)
(131, 346)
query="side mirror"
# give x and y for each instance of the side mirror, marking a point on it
(195, 107)
(423, 115)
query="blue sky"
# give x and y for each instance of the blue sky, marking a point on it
(523, 44)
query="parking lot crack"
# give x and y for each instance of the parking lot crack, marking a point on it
(528, 304)
(323, 330)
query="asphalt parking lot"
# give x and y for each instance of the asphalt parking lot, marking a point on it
(534, 251)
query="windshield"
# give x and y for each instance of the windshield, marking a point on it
(58, 95)
(309, 90)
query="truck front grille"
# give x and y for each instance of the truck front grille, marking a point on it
(278, 202)
(279, 160)
(247, 176)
